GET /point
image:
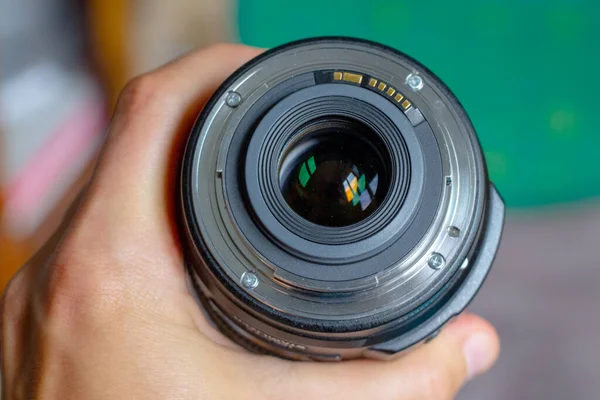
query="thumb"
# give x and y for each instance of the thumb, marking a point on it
(436, 370)
(468, 347)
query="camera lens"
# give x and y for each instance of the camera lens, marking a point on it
(335, 203)
(334, 173)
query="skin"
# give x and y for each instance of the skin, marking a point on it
(103, 312)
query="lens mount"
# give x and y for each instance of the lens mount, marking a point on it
(358, 203)
(277, 129)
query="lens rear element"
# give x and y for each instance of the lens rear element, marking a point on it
(334, 173)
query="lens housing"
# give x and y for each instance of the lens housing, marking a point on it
(337, 208)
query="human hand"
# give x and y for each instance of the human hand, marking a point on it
(103, 312)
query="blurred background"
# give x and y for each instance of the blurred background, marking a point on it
(526, 71)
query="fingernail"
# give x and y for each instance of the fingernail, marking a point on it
(479, 354)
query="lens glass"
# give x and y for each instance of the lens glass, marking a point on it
(334, 172)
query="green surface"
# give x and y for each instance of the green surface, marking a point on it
(526, 71)
(311, 165)
(304, 175)
(361, 183)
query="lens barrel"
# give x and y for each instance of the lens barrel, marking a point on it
(335, 203)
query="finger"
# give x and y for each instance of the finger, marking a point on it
(436, 370)
(13, 303)
(468, 347)
(121, 247)
(132, 196)
(19, 300)
(128, 218)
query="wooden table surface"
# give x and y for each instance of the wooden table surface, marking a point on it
(12, 255)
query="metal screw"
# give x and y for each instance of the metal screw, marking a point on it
(233, 99)
(453, 231)
(415, 82)
(249, 280)
(436, 261)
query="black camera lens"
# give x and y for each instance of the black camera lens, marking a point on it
(335, 203)
(334, 173)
